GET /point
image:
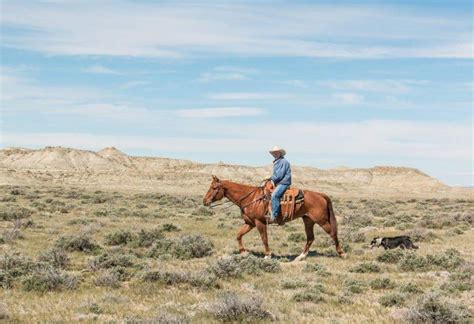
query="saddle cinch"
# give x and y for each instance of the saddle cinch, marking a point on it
(291, 202)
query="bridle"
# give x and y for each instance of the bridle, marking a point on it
(219, 186)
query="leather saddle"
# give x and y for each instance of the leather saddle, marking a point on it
(290, 203)
(291, 193)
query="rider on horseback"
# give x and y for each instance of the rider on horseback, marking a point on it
(281, 178)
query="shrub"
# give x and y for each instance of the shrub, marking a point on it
(230, 307)
(296, 237)
(354, 286)
(344, 299)
(390, 256)
(80, 221)
(13, 212)
(111, 277)
(16, 192)
(357, 221)
(458, 281)
(99, 199)
(410, 288)
(92, 307)
(318, 268)
(146, 238)
(392, 299)
(47, 279)
(313, 296)
(120, 237)
(110, 260)
(236, 265)
(169, 228)
(162, 318)
(366, 267)
(13, 233)
(431, 308)
(186, 247)
(3, 312)
(468, 218)
(349, 235)
(13, 266)
(77, 243)
(412, 262)
(292, 284)
(227, 267)
(203, 279)
(57, 257)
(202, 211)
(448, 260)
(381, 283)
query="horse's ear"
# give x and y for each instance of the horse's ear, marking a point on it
(215, 178)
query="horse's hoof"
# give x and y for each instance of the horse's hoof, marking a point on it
(343, 256)
(267, 257)
(300, 257)
(244, 253)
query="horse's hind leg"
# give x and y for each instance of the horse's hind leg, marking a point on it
(327, 227)
(242, 231)
(309, 229)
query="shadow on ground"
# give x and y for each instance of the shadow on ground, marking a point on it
(292, 257)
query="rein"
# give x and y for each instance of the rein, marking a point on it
(223, 203)
(240, 200)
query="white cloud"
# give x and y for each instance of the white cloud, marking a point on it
(374, 139)
(214, 76)
(219, 112)
(226, 73)
(294, 83)
(133, 84)
(129, 28)
(235, 69)
(383, 86)
(99, 69)
(348, 98)
(247, 96)
(19, 93)
(93, 141)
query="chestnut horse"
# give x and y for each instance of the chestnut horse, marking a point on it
(317, 209)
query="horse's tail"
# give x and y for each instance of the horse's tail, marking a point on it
(332, 217)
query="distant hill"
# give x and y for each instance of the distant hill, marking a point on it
(114, 170)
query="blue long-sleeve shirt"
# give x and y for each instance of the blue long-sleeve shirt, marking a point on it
(281, 172)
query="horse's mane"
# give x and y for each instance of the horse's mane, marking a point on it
(240, 184)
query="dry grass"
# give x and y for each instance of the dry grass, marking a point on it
(110, 256)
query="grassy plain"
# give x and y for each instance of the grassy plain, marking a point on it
(69, 254)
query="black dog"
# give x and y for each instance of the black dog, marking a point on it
(404, 242)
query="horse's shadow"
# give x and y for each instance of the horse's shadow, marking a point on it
(290, 257)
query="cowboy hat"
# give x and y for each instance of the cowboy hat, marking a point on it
(277, 149)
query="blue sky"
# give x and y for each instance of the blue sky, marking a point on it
(337, 83)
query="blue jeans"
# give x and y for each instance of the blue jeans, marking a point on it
(276, 196)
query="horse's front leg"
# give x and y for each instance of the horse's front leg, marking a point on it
(262, 229)
(242, 231)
